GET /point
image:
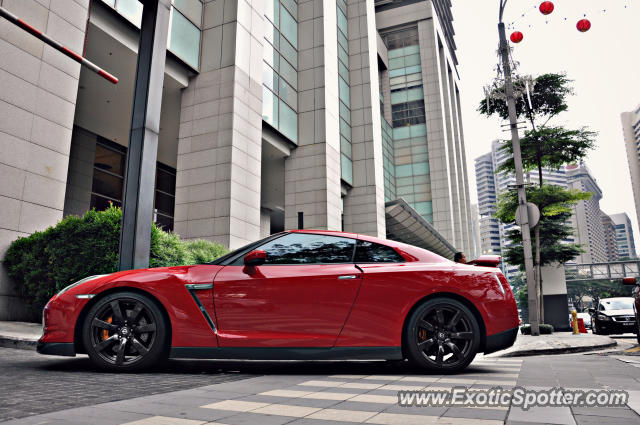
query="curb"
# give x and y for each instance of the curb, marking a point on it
(18, 343)
(564, 350)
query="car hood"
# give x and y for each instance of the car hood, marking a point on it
(625, 312)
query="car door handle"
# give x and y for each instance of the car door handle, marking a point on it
(347, 276)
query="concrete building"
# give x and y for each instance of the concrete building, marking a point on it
(624, 236)
(631, 131)
(586, 219)
(274, 114)
(610, 238)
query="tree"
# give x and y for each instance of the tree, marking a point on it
(539, 100)
(555, 204)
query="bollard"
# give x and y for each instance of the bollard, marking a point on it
(574, 322)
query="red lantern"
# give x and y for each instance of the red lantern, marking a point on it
(583, 25)
(516, 37)
(546, 7)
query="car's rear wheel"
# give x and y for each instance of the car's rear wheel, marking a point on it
(442, 334)
(125, 331)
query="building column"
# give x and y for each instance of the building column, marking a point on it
(220, 139)
(38, 88)
(454, 173)
(364, 203)
(467, 218)
(312, 172)
(440, 161)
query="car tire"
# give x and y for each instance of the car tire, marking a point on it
(441, 334)
(124, 332)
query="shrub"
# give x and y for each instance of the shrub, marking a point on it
(544, 329)
(45, 262)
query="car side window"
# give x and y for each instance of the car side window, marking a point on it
(601, 307)
(371, 252)
(306, 248)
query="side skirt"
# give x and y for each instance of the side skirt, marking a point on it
(292, 353)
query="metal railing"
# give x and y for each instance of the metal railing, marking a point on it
(602, 271)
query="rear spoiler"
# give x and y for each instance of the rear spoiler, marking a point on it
(486, 261)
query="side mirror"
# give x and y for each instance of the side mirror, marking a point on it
(629, 281)
(592, 311)
(255, 258)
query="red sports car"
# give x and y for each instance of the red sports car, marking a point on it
(307, 294)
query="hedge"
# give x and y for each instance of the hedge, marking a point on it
(545, 329)
(45, 262)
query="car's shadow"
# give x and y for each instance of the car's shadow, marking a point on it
(255, 367)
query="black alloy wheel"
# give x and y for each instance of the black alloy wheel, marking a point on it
(442, 334)
(125, 331)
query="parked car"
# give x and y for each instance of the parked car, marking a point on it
(294, 295)
(636, 301)
(613, 316)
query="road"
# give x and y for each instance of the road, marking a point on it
(48, 390)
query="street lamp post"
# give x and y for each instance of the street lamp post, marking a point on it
(522, 195)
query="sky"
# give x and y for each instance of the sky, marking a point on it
(604, 64)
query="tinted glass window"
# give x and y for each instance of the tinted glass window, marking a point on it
(370, 252)
(301, 248)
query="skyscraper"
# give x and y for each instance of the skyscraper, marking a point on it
(631, 130)
(624, 236)
(587, 220)
(610, 239)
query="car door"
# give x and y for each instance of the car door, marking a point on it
(300, 297)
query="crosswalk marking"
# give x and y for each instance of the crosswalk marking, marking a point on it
(371, 390)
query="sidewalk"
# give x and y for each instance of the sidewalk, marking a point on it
(24, 335)
(556, 343)
(19, 334)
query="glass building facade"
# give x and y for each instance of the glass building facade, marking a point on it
(280, 67)
(185, 23)
(409, 132)
(346, 157)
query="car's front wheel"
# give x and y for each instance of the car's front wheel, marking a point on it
(125, 331)
(442, 334)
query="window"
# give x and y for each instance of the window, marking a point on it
(370, 252)
(304, 248)
(280, 101)
(108, 183)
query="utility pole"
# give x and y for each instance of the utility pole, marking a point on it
(522, 195)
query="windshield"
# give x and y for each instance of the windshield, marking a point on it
(619, 304)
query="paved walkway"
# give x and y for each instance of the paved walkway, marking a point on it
(306, 396)
(556, 343)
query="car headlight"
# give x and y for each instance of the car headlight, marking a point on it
(603, 317)
(86, 279)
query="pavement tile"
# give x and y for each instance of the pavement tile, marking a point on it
(612, 412)
(342, 415)
(308, 421)
(249, 418)
(286, 410)
(476, 413)
(551, 415)
(235, 405)
(599, 420)
(365, 407)
(164, 420)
